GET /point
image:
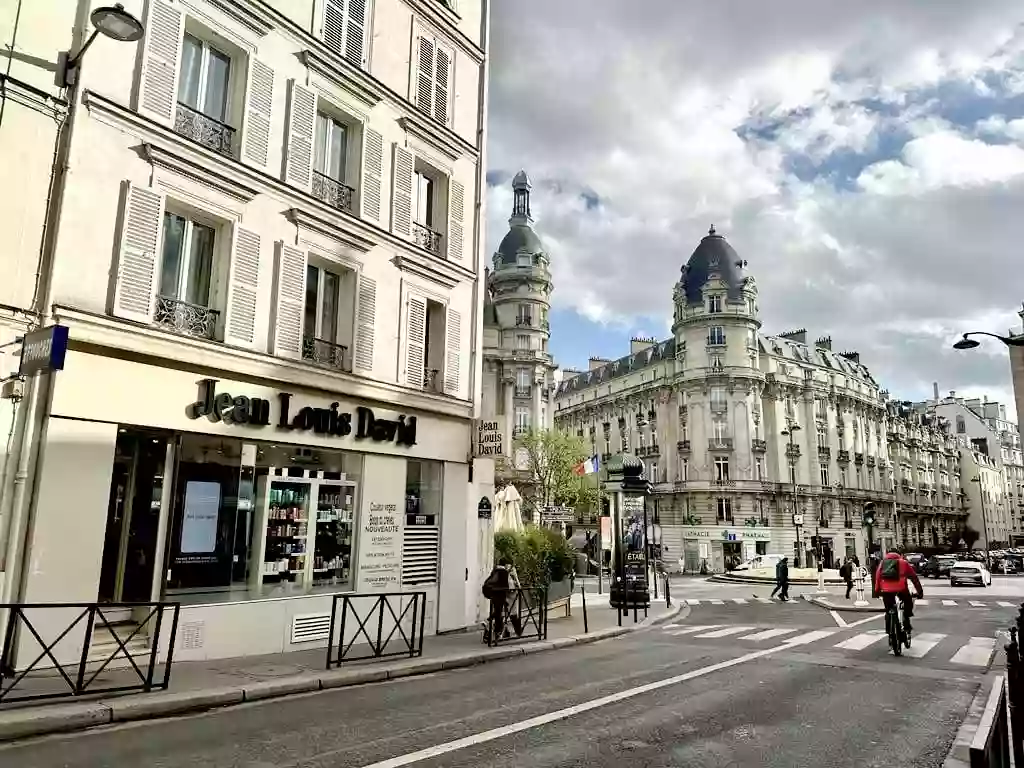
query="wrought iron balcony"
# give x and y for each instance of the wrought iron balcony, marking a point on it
(427, 238)
(524, 321)
(432, 380)
(211, 133)
(332, 192)
(844, 457)
(824, 452)
(325, 353)
(648, 450)
(683, 446)
(759, 446)
(523, 391)
(871, 461)
(723, 482)
(858, 458)
(189, 319)
(720, 444)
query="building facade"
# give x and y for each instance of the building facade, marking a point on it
(267, 260)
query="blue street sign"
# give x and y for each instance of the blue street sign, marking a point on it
(44, 350)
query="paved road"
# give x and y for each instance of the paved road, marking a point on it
(666, 697)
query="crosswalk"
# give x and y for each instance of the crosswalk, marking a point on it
(945, 603)
(958, 651)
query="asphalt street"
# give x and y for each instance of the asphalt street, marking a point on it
(814, 693)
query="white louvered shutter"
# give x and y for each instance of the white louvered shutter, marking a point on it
(259, 104)
(366, 322)
(373, 172)
(453, 353)
(138, 256)
(415, 341)
(243, 288)
(442, 85)
(456, 220)
(334, 25)
(289, 300)
(161, 53)
(402, 167)
(301, 124)
(425, 74)
(355, 32)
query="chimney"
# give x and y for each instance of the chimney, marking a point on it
(935, 390)
(825, 342)
(597, 362)
(853, 357)
(640, 343)
(799, 335)
(952, 394)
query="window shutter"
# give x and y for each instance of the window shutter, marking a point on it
(334, 25)
(301, 123)
(243, 285)
(366, 320)
(425, 75)
(289, 301)
(415, 341)
(453, 353)
(141, 220)
(442, 76)
(456, 219)
(401, 203)
(373, 172)
(259, 100)
(157, 94)
(355, 32)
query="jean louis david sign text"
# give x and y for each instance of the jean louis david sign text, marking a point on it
(488, 439)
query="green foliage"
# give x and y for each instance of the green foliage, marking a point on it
(540, 555)
(551, 460)
(691, 519)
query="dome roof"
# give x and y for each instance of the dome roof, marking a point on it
(713, 255)
(519, 237)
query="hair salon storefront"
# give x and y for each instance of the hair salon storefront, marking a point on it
(249, 505)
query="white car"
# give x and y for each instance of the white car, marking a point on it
(761, 561)
(969, 573)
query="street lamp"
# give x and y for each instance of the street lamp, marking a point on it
(789, 432)
(110, 21)
(984, 522)
(968, 343)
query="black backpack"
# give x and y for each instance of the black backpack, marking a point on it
(492, 584)
(891, 568)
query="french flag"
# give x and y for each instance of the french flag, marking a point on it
(588, 467)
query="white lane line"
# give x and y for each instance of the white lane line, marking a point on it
(949, 602)
(578, 709)
(976, 653)
(839, 620)
(861, 641)
(976, 603)
(922, 643)
(727, 631)
(671, 626)
(920, 602)
(717, 602)
(693, 602)
(865, 621)
(1004, 604)
(740, 600)
(768, 634)
(691, 630)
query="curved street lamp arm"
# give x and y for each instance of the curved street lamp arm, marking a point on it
(1010, 341)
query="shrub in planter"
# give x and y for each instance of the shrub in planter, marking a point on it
(542, 556)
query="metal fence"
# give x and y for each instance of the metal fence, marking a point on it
(71, 644)
(376, 626)
(990, 747)
(524, 611)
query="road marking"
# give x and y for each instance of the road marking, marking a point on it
(839, 620)
(693, 602)
(861, 641)
(562, 714)
(949, 602)
(740, 600)
(717, 602)
(810, 637)
(922, 643)
(671, 626)
(920, 602)
(691, 630)
(976, 653)
(727, 631)
(768, 634)
(762, 599)
(1004, 604)
(865, 621)
(976, 603)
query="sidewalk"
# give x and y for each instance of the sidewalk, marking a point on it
(202, 685)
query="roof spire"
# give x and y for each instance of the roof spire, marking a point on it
(521, 197)
(711, 231)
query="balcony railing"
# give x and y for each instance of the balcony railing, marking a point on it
(723, 482)
(824, 452)
(211, 133)
(524, 321)
(523, 391)
(683, 446)
(648, 450)
(189, 319)
(332, 192)
(325, 353)
(858, 458)
(871, 461)
(427, 238)
(519, 431)
(844, 457)
(720, 444)
(759, 446)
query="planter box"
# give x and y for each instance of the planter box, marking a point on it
(559, 590)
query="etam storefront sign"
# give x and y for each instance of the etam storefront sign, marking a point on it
(256, 412)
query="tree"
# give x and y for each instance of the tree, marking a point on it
(550, 458)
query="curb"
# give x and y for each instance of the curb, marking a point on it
(822, 602)
(80, 716)
(959, 755)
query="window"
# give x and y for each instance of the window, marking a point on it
(524, 260)
(684, 469)
(715, 304)
(859, 478)
(824, 476)
(719, 399)
(721, 469)
(961, 428)
(523, 382)
(716, 362)
(822, 434)
(421, 537)
(719, 430)
(433, 338)
(847, 516)
(716, 335)
(326, 336)
(759, 467)
(203, 95)
(428, 206)
(724, 510)
(522, 419)
(522, 341)
(330, 162)
(187, 276)
(433, 79)
(344, 29)
(524, 315)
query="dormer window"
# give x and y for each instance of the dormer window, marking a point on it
(714, 304)
(524, 260)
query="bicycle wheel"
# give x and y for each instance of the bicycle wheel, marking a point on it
(895, 632)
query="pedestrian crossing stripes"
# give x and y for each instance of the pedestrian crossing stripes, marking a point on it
(945, 603)
(969, 652)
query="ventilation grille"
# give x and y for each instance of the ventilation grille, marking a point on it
(192, 635)
(420, 555)
(311, 627)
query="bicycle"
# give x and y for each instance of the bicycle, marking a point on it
(896, 629)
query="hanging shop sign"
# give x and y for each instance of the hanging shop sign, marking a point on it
(256, 412)
(44, 350)
(557, 515)
(489, 439)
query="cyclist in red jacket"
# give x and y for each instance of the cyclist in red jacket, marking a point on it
(891, 582)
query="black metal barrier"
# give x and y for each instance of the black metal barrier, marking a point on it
(525, 610)
(81, 676)
(380, 626)
(990, 747)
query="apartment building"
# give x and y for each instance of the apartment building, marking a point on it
(267, 258)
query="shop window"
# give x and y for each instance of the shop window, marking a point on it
(424, 485)
(328, 316)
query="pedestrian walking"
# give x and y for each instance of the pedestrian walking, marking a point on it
(501, 588)
(846, 572)
(782, 580)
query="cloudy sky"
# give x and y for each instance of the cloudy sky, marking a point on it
(867, 159)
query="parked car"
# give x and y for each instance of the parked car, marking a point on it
(937, 567)
(761, 561)
(916, 559)
(969, 573)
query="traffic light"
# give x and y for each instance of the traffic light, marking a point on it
(869, 513)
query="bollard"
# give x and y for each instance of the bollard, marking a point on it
(668, 597)
(861, 600)
(583, 592)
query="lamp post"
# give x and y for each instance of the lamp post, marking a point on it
(984, 521)
(110, 21)
(789, 432)
(966, 342)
